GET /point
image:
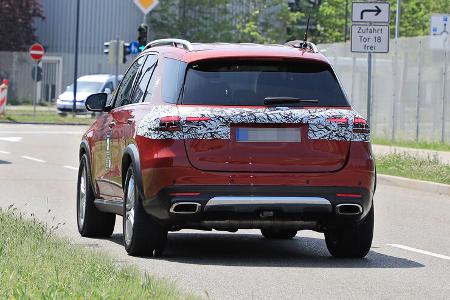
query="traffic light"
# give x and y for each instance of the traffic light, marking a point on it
(126, 51)
(142, 36)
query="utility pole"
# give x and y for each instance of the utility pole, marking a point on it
(397, 21)
(346, 21)
(75, 73)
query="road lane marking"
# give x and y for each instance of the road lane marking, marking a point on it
(71, 168)
(420, 251)
(13, 139)
(33, 159)
(41, 132)
(4, 152)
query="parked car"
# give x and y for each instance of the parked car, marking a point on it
(227, 137)
(86, 85)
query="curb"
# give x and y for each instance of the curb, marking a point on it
(41, 123)
(428, 186)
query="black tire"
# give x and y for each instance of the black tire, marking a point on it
(144, 236)
(352, 240)
(279, 234)
(91, 222)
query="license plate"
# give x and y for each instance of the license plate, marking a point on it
(291, 135)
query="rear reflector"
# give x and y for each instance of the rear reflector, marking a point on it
(350, 195)
(183, 194)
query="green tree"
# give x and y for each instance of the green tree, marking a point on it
(331, 21)
(272, 21)
(16, 23)
(259, 21)
(194, 20)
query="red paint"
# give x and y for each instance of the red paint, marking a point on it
(166, 162)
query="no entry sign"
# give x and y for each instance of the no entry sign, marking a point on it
(37, 52)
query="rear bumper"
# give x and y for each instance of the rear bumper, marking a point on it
(238, 207)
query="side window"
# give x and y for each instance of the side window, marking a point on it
(144, 78)
(124, 93)
(173, 78)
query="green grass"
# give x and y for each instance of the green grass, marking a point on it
(35, 264)
(42, 116)
(407, 165)
(412, 144)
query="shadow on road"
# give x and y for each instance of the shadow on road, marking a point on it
(4, 162)
(253, 250)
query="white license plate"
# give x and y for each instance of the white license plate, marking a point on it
(291, 135)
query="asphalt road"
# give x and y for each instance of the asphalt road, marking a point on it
(410, 257)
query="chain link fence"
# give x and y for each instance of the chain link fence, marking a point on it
(411, 97)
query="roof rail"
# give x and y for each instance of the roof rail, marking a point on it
(170, 42)
(303, 45)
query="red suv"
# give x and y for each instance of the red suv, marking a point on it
(227, 137)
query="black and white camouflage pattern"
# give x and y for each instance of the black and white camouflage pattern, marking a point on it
(219, 126)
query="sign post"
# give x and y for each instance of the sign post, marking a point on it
(146, 6)
(36, 53)
(370, 34)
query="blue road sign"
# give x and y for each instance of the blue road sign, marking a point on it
(134, 47)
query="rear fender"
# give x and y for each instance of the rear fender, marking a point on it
(131, 155)
(85, 149)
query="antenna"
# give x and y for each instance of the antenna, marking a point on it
(305, 40)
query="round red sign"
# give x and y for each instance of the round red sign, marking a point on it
(37, 51)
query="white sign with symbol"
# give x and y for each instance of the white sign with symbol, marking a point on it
(371, 12)
(370, 38)
(440, 31)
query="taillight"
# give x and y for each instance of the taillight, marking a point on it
(341, 121)
(170, 123)
(360, 125)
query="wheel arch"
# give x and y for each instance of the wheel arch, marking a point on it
(85, 149)
(130, 156)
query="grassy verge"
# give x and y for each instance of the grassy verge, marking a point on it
(406, 165)
(26, 116)
(412, 144)
(34, 264)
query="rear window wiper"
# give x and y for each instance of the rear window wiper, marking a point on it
(287, 100)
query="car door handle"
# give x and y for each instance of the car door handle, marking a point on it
(112, 124)
(130, 121)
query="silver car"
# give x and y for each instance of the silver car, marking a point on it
(86, 86)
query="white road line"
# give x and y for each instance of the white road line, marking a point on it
(71, 168)
(13, 139)
(420, 251)
(42, 132)
(4, 152)
(33, 159)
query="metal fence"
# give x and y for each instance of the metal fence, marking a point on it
(411, 97)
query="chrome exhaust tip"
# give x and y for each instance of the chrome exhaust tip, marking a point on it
(185, 208)
(349, 209)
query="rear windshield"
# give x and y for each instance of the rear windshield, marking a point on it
(250, 82)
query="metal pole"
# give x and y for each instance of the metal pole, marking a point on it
(75, 73)
(444, 92)
(37, 88)
(369, 86)
(346, 21)
(394, 92)
(117, 61)
(419, 75)
(397, 20)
